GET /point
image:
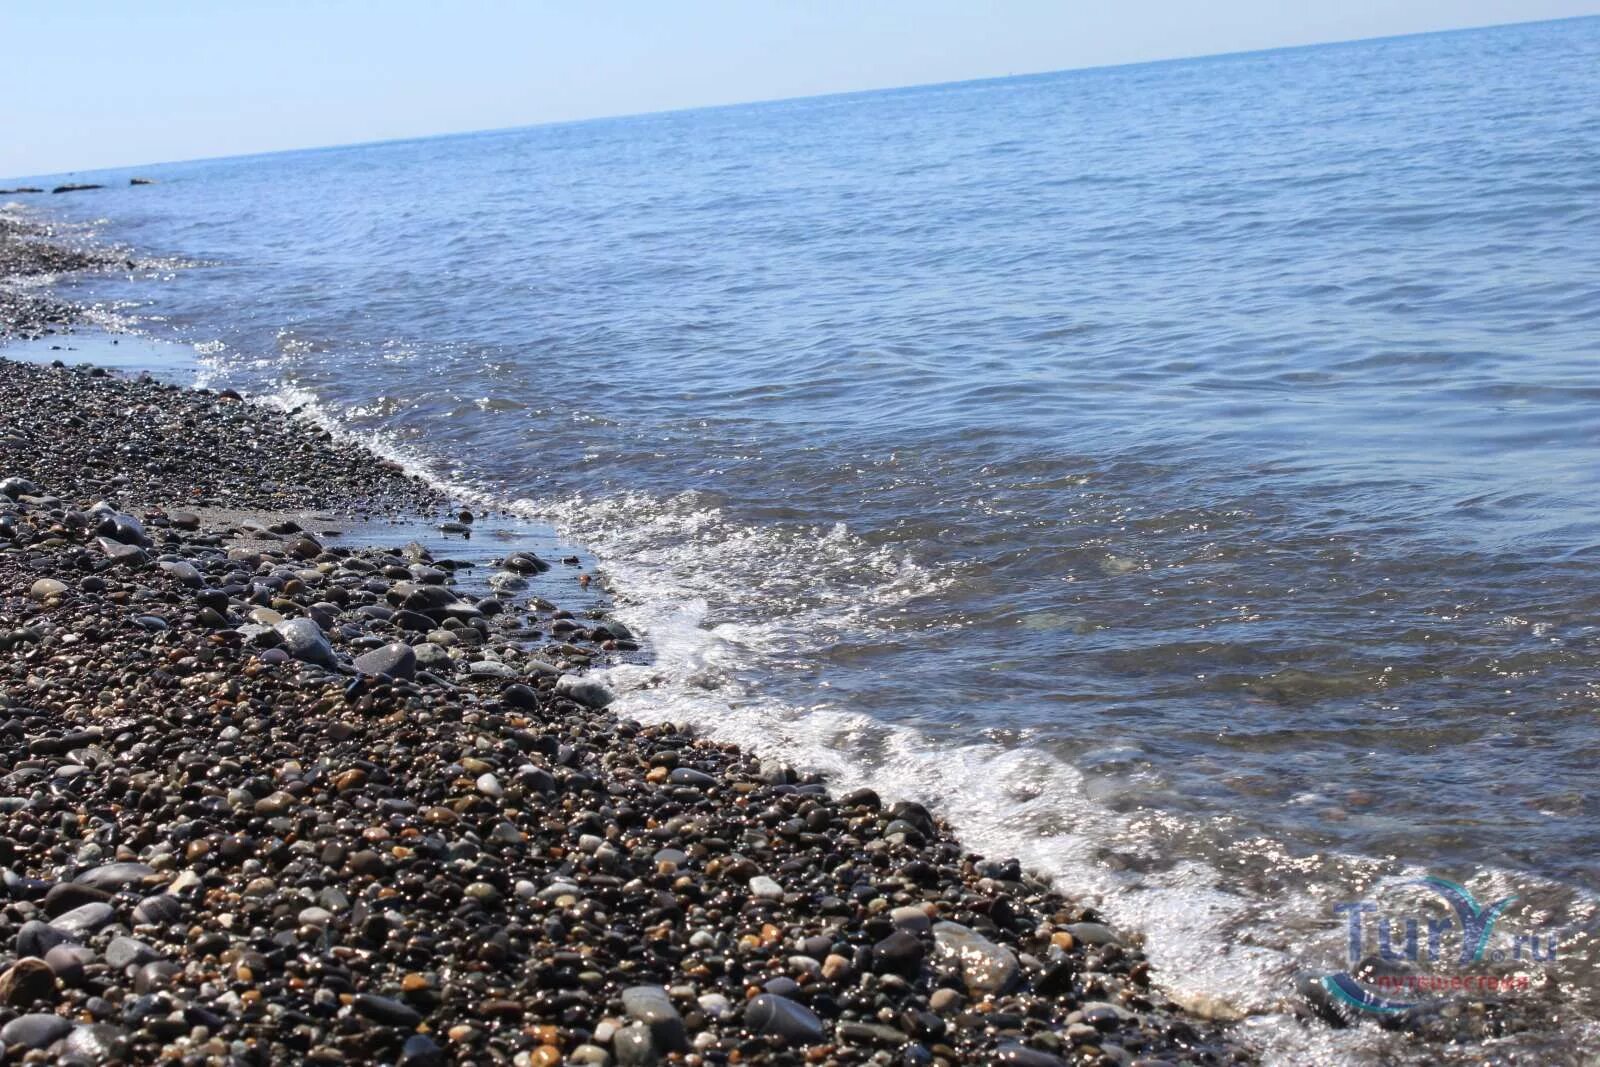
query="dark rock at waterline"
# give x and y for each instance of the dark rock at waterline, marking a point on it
(584, 690)
(141, 181)
(525, 563)
(75, 188)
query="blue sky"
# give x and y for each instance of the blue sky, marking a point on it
(101, 83)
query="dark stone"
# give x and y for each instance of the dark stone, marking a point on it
(98, 1042)
(68, 962)
(1023, 1056)
(129, 951)
(85, 919)
(420, 1050)
(112, 877)
(900, 953)
(27, 980)
(781, 1017)
(34, 1031)
(651, 1005)
(304, 640)
(37, 938)
(395, 659)
(385, 1010)
(635, 1046)
(64, 896)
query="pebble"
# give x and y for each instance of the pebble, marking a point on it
(781, 1017)
(36, 1030)
(651, 1006)
(304, 640)
(386, 1010)
(27, 980)
(584, 691)
(765, 888)
(395, 659)
(45, 588)
(985, 966)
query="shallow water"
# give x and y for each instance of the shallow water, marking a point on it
(1183, 473)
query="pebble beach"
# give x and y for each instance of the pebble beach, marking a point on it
(270, 796)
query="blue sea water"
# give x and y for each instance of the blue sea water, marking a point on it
(1184, 474)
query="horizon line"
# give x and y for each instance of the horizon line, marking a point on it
(766, 101)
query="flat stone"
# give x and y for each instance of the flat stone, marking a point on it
(385, 1010)
(490, 668)
(861, 1033)
(84, 920)
(112, 877)
(690, 776)
(784, 1018)
(68, 960)
(158, 909)
(420, 1050)
(125, 951)
(1023, 1056)
(34, 1031)
(127, 555)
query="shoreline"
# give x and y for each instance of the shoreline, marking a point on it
(272, 796)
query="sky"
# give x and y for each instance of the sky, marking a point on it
(110, 83)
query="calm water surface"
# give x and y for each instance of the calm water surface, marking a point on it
(1185, 474)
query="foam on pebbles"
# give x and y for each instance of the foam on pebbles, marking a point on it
(331, 809)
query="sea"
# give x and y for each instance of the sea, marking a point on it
(1182, 476)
